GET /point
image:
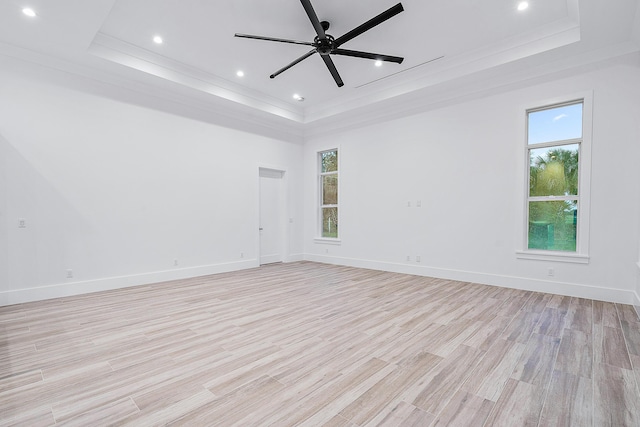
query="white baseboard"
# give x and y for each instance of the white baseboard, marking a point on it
(294, 258)
(270, 259)
(570, 289)
(19, 296)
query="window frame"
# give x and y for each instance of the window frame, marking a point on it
(321, 206)
(581, 254)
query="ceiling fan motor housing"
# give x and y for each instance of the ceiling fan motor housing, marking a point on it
(324, 46)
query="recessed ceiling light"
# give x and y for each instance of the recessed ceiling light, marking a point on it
(378, 63)
(29, 12)
(157, 39)
(523, 5)
(298, 97)
(240, 73)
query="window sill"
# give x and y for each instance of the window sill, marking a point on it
(553, 256)
(327, 241)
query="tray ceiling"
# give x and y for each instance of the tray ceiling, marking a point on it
(442, 42)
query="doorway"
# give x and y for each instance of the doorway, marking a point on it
(272, 224)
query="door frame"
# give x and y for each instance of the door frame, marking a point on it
(284, 203)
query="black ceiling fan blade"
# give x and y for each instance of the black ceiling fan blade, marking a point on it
(272, 39)
(285, 68)
(332, 68)
(368, 55)
(389, 13)
(313, 18)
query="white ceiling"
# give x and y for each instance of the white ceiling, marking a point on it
(447, 45)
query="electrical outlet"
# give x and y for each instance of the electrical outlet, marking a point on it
(417, 258)
(408, 204)
(326, 251)
(241, 254)
(175, 262)
(22, 223)
(419, 204)
(408, 257)
(551, 272)
(69, 274)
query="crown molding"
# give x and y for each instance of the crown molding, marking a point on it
(154, 94)
(128, 55)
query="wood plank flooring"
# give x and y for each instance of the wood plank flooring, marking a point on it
(319, 345)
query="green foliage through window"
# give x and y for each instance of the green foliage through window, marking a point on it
(330, 189)
(553, 225)
(329, 161)
(329, 222)
(554, 171)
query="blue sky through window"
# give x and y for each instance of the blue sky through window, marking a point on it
(555, 124)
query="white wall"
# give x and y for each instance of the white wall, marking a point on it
(4, 220)
(117, 192)
(461, 162)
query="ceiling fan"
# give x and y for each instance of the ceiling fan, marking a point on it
(327, 45)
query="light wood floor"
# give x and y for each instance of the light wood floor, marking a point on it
(312, 344)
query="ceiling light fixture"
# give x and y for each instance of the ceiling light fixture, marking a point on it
(29, 12)
(523, 5)
(298, 97)
(157, 39)
(378, 63)
(240, 73)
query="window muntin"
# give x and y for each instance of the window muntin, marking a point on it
(554, 139)
(328, 193)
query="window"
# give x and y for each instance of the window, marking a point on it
(328, 193)
(556, 209)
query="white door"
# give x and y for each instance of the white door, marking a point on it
(271, 216)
